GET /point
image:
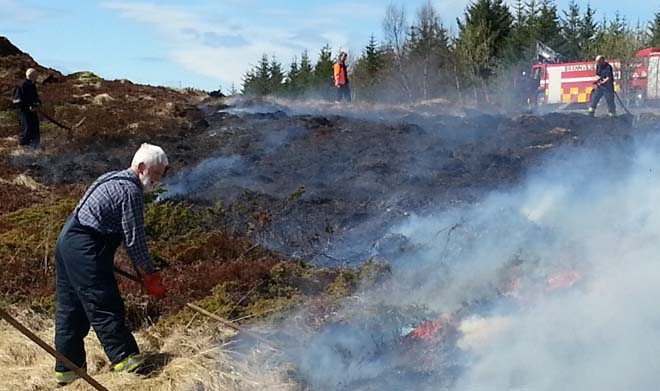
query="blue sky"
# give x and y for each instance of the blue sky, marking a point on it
(206, 44)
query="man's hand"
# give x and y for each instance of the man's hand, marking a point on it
(154, 285)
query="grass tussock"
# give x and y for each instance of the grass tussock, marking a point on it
(187, 359)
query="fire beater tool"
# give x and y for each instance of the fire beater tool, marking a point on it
(61, 125)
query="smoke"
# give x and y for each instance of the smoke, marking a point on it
(552, 285)
(602, 335)
(208, 173)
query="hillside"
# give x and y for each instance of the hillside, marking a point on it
(370, 240)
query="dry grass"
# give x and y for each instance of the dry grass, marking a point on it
(197, 359)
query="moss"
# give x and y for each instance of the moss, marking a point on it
(166, 220)
(34, 229)
(38, 215)
(44, 305)
(85, 76)
(270, 307)
(221, 302)
(230, 300)
(169, 219)
(197, 247)
(8, 117)
(349, 280)
(345, 284)
(308, 280)
(287, 285)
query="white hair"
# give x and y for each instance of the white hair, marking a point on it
(599, 57)
(29, 72)
(150, 155)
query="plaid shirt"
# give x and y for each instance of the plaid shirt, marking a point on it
(114, 204)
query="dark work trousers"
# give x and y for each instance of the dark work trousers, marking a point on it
(87, 293)
(344, 93)
(29, 128)
(609, 97)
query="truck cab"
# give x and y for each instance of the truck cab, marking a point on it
(645, 76)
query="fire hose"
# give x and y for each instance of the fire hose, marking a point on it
(622, 105)
(631, 115)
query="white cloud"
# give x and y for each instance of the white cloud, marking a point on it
(18, 12)
(185, 31)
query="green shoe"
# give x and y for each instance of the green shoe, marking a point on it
(66, 378)
(129, 364)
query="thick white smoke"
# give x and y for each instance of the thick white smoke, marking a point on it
(603, 333)
(581, 237)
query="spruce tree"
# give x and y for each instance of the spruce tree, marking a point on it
(654, 31)
(292, 81)
(588, 33)
(374, 57)
(262, 71)
(368, 71)
(571, 32)
(323, 67)
(276, 76)
(549, 27)
(323, 73)
(306, 75)
(486, 29)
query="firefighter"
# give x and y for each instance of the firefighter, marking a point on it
(26, 99)
(110, 212)
(341, 79)
(604, 86)
(527, 88)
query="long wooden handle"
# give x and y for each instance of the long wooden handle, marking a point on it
(54, 121)
(9, 319)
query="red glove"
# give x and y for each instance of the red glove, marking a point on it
(154, 285)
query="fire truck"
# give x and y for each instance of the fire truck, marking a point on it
(567, 83)
(645, 77)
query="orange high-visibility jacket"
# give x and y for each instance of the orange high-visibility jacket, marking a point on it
(340, 74)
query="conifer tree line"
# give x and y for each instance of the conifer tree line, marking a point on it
(420, 58)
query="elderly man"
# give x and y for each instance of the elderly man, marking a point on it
(110, 212)
(26, 99)
(341, 79)
(604, 86)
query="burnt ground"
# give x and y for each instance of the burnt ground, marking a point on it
(325, 187)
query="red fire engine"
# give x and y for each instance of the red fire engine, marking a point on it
(566, 83)
(573, 82)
